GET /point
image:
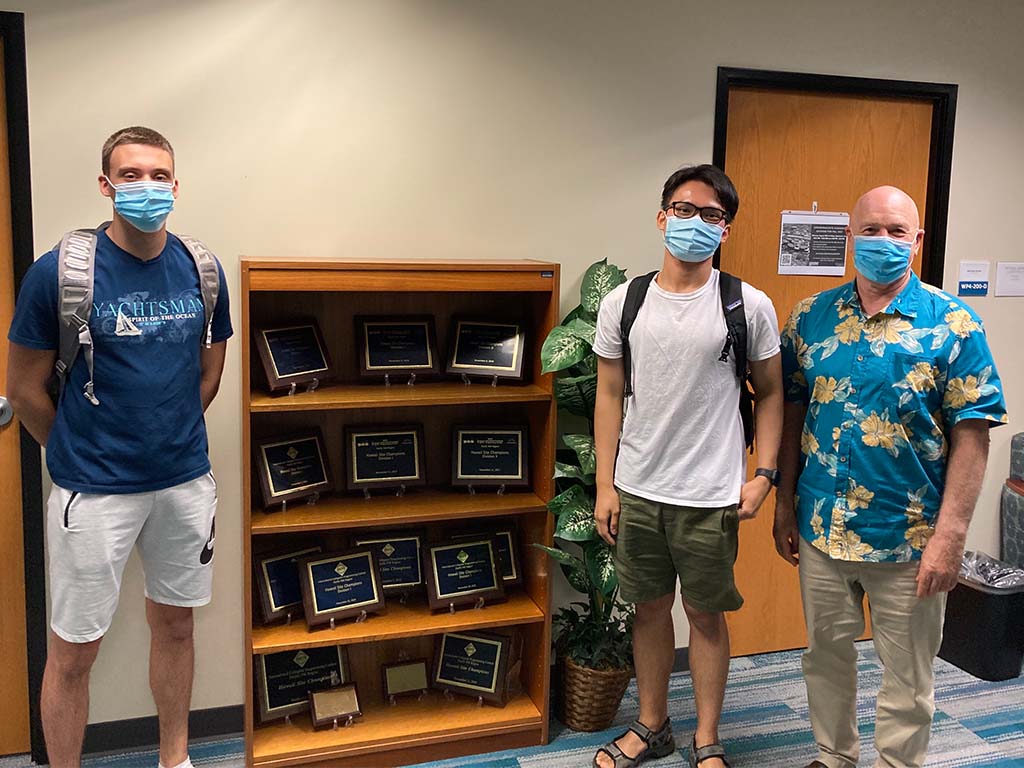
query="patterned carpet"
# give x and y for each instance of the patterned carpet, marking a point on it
(765, 720)
(765, 724)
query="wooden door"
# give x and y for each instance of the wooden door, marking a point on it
(14, 719)
(784, 151)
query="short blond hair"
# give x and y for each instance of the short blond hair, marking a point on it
(135, 134)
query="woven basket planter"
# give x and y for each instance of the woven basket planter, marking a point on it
(588, 699)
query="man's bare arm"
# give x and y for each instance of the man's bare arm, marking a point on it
(767, 378)
(211, 364)
(965, 469)
(607, 425)
(787, 537)
(28, 371)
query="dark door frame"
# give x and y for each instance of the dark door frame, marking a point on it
(942, 97)
(12, 31)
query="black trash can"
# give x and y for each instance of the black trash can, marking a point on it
(984, 630)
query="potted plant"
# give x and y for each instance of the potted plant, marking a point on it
(592, 637)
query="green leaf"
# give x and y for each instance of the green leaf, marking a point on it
(573, 568)
(577, 578)
(601, 567)
(582, 328)
(572, 472)
(577, 394)
(563, 557)
(580, 312)
(598, 282)
(569, 499)
(585, 366)
(585, 452)
(577, 524)
(563, 348)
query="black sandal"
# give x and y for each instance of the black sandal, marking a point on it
(659, 744)
(698, 756)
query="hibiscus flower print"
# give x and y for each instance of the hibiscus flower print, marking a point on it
(858, 497)
(878, 432)
(801, 308)
(918, 535)
(886, 328)
(849, 330)
(848, 546)
(803, 354)
(960, 392)
(914, 511)
(824, 389)
(961, 323)
(921, 377)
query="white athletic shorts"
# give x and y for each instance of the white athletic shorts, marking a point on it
(90, 536)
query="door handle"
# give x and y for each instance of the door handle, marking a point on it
(6, 412)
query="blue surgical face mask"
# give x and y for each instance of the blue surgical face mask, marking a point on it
(882, 259)
(692, 240)
(144, 204)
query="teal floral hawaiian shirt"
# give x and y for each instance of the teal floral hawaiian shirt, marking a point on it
(882, 394)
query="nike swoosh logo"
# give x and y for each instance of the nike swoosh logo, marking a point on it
(207, 554)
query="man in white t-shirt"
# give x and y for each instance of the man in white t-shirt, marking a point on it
(671, 476)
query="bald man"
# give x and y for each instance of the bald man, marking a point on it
(890, 394)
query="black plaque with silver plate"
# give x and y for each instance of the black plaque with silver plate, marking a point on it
(294, 356)
(292, 468)
(284, 680)
(384, 457)
(506, 541)
(399, 557)
(487, 350)
(340, 585)
(463, 573)
(473, 664)
(490, 457)
(277, 583)
(394, 348)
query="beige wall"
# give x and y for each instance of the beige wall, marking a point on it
(469, 129)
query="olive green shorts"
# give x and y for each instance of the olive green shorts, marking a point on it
(658, 543)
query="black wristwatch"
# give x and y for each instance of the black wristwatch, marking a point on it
(773, 475)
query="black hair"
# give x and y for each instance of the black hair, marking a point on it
(712, 176)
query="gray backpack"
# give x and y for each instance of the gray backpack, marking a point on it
(75, 268)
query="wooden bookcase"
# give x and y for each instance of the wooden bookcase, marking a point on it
(334, 292)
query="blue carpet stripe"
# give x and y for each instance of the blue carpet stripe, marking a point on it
(764, 724)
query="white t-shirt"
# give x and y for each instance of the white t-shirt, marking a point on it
(682, 435)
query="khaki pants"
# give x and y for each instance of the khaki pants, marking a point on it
(907, 634)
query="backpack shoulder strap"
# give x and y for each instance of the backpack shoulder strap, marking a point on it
(731, 290)
(76, 263)
(209, 280)
(635, 295)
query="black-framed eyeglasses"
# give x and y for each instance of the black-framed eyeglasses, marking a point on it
(710, 214)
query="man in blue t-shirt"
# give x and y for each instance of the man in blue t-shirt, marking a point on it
(129, 466)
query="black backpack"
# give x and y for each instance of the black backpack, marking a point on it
(731, 292)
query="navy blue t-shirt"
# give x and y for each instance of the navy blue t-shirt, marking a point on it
(147, 326)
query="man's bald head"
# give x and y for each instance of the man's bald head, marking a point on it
(886, 211)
